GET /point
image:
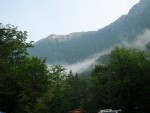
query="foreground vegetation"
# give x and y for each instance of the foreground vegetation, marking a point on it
(28, 86)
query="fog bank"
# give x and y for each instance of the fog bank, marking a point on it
(82, 66)
(140, 42)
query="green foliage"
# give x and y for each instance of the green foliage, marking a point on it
(69, 92)
(28, 86)
(57, 78)
(131, 77)
(32, 85)
(124, 82)
(23, 80)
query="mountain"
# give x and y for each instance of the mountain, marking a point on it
(76, 47)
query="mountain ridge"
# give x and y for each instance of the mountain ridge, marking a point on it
(76, 47)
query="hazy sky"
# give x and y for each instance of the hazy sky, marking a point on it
(44, 17)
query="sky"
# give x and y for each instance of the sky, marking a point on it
(40, 18)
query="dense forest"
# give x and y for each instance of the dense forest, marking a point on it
(27, 85)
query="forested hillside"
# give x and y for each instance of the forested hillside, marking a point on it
(60, 49)
(119, 80)
(27, 85)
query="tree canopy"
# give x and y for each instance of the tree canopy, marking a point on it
(124, 83)
(23, 80)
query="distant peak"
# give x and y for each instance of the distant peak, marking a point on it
(140, 8)
(60, 38)
(54, 36)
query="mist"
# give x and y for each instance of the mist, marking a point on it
(140, 43)
(82, 66)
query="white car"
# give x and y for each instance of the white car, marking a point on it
(109, 111)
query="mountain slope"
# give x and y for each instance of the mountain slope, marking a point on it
(60, 49)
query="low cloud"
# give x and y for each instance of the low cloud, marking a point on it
(85, 64)
(140, 42)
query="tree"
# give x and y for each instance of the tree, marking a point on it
(74, 93)
(130, 79)
(23, 80)
(124, 82)
(57, 76)
(99, 86)
(32, 85)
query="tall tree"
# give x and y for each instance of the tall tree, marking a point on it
(23, 80)
(130, 79)
(124, 82)
(57, 77)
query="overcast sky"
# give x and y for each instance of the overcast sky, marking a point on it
(44, 17)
